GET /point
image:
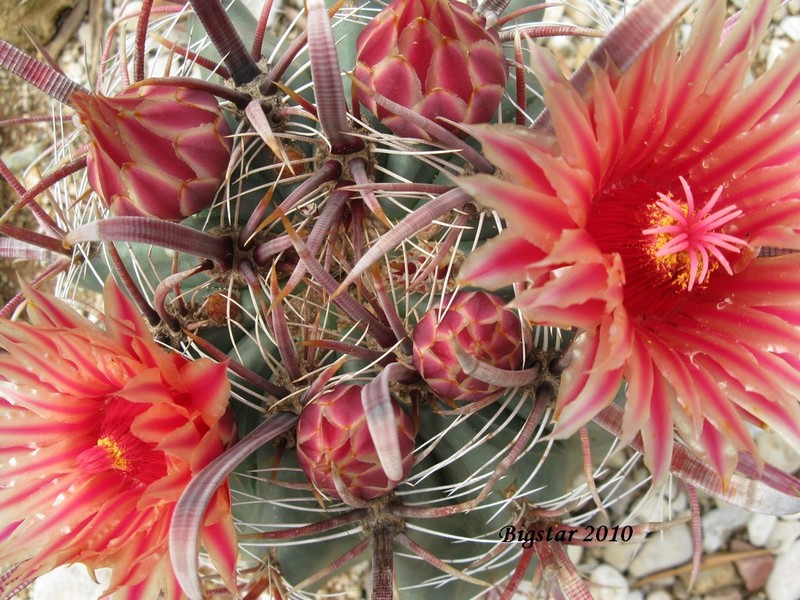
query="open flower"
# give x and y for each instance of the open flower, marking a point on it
(641, 220)
(100, 432)
(157, 150)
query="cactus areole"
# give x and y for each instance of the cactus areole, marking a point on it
(156, 150)
(434, 57)
(333, 437)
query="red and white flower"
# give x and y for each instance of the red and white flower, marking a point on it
(101, 430)
(641, 219)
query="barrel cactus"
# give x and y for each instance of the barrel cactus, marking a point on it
(312, 214)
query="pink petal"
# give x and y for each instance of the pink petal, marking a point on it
(208, 387)
(569, 114)
(657, 433)
(541, 218)
(500, 261)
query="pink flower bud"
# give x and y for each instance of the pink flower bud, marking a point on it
(481, 325)
(156, 150)
(434, 57)
(332, 436)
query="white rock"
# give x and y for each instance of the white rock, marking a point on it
(772, 447)
(720, 523)
(791, 27)
(783, 582)
(620, 556)
(783, 535)
(575, 554)
(553, 14)
(663, 550)
(659, 595)
(635, 595)
(759, 527)
(70, 582)
(777, 48)
(609, 584)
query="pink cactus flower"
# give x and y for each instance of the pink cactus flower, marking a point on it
(101, 430)
(434, 57)
(156, 150)
(333, 441)
(642, 219)
(481, 325)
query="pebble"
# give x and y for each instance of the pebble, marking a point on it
(783, 535)
(620, 556)
(714, 579)
(754, 571)
(726, 594)
(759, 528)
(608, 584)
(720, 523)
(659, 595)
(783, 582)
(575, 554)
(773, 448)
(72, 581)
(777, 48)
(791, 27)
(663, 550)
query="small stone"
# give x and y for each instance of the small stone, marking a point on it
(662, 551)
(759, 528)
(553, 13)
(575, 554)
(635, 595)
(730, 593)
(659, 595)
(777, 48)
(783, 535)
(773, 448)
(783, 582)
(72, 581)
(791, 27)
(754, 571)
(620, 556)
(608, 584)
(720, 523)
(711, 579)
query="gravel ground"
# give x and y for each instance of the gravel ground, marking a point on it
(744, 556)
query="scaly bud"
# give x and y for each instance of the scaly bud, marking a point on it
(482, 327)
(332, 436)
(434, 57)
(157, 150)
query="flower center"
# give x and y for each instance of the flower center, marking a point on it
(669, 245)
(685, 243)
(114, 453)
(118, 449)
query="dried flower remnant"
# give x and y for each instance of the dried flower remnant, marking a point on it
(100, 433)
(639, 220)
(157, 150)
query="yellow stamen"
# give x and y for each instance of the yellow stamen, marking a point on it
(115, 452)
(674, 268)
